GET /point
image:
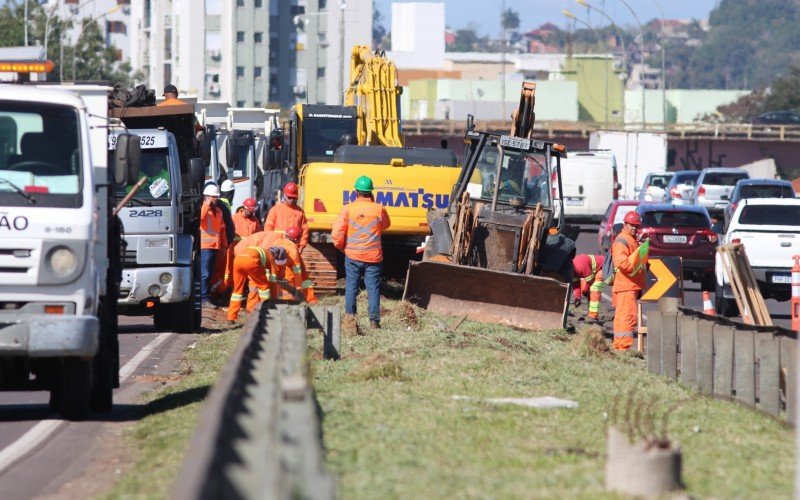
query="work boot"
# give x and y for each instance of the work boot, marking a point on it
(207, 304)
(375, 325)
(349, 324)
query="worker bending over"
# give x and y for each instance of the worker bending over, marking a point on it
(245, 223)
(630, 260)
(259, 267)
(287, 214)
(588, 281)
(294, 272)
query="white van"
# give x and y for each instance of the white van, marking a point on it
(590, 183)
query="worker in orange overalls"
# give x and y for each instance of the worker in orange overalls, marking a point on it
(287, 214)
(629, 264)
(171, 96)
(245, 223)
(219, 284)
(294, 272)
(357, 232)
(259, 267)
(212, 238)
(588, 280)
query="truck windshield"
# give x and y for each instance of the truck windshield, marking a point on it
(40, 154)
(523, 176)
(155, 167)
(321, 137)
(770, 215)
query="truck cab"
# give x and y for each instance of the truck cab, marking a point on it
(158, 274)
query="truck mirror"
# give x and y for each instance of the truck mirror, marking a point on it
(205, 149)
(127, 159)
(197, 172)
(231, 154)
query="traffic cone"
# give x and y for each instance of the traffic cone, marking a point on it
(796, 294)
(708, 306)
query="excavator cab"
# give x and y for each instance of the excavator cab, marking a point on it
(493, 254)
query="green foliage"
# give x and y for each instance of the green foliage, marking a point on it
(467, 40)
(509, 20)
(785, 92)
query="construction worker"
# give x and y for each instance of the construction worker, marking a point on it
(287, 214)
(357, 232)
(294, 272)
(629, 260)
(588, 281)
(171, 96)
(259, 267)
(219, 283)
(212, 238)
(245, 223)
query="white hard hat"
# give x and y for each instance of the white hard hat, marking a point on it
(211, 190)
(227, 186)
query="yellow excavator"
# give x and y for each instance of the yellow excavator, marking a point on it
(496, 253)
(329, 147)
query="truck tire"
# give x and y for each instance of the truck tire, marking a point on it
(76, 389)
(724, 307)
(105, 364)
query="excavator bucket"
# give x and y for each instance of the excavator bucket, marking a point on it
(520, 300)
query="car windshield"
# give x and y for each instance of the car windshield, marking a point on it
(321, 136)
(155, 168)
(622, 211)
(522, 176)
(766, 191)
(687, 179)
(770, 215)
(660, 181)
(674, 218)
(723, 178)
(40, 154)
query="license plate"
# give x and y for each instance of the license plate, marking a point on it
(674, 238)
(721, 204)
(515, 142)
(574, 202)
(782, 278)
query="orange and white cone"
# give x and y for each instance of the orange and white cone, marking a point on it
(708, 306)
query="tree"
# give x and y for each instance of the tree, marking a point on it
(467, 40)
(785, 92)
(509, 20)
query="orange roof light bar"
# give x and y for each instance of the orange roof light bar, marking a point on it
(26, 66)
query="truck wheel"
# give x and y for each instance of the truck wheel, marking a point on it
(76, 389)
(105, 363)
(183, 317)
(724, 307)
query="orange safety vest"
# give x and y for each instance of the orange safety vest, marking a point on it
(283, 216)
(627, 277)
(357, 231)
(212, 228)
(244, 226)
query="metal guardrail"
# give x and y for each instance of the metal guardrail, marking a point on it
(259, 434)
(583, 129)
(755, 365)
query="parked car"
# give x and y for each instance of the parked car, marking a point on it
(778, 118)
(714, 187)
(681, 187)
(589, 180)
(655, 186)
(757, 188)
(682, 231)
(615, 212)
(769, 229)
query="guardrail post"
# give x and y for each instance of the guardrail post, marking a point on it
(654, 333)
(789, 372)
(329, 320)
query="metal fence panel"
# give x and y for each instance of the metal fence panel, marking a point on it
(687, 330)
(654, 332)
(769, 366)
(723, 361)
(705, 356)
(789, 372)
(745, 360)
(669, 344)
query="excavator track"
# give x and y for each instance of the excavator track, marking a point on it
(321, 262)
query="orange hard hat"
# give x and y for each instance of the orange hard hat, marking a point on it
(293, 233)
(250, 204)
(632, 218)
(290, 190)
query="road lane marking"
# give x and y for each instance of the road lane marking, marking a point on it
(37, 434)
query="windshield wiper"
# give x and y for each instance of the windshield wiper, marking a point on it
(19, 191)
(140, 202)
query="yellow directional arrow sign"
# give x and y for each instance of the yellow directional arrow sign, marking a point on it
(665, 279)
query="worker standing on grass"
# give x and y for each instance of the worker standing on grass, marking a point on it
(588, 281)
(287, 214)
(219, 287)
(357, 232)
(212, 236)
(259, 267)
(630, 259)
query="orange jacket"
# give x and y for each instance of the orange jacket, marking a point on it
(629, 276)
(293, 258)
(212, 228)
(283, 216)
(357, 231)
(245, 226)
(171, 102)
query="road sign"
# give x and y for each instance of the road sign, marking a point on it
(664, 278)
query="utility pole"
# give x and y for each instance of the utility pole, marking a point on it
(342, 9)
(641, 52)
(503, 58)
(26, 23)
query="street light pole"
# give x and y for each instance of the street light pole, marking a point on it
(572, 16)
(342, 9)
(663, 65)
(641, 52)
(503, 59)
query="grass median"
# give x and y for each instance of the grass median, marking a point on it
(405, 415)
(169, 417)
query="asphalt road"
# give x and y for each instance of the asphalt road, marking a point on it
(693, 297)
(40, 454)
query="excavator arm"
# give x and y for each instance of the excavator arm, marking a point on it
(374, 90)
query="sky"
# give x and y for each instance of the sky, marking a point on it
(460, 13)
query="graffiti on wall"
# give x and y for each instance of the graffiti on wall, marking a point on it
(694, 155)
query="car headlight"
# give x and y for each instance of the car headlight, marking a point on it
(63, 261)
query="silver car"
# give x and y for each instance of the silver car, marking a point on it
(714, 186)
(681, 187)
